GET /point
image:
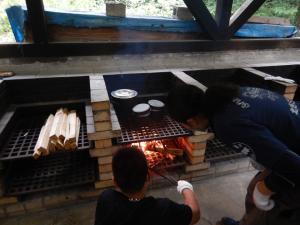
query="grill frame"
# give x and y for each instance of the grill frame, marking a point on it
(24, 128)
(49, 173)
(218, 151)
(147, 129)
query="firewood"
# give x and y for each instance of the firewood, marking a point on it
(174, 151)
(63, 126)
(55, 129)
(37, 152)
(52, 146)
(59, 145)
(74, 145)
(71, 130)
(43, 141)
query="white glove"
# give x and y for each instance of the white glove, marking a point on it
(182, 184)
(278, 78)
(262, 201)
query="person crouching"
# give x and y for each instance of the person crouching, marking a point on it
(128, 204)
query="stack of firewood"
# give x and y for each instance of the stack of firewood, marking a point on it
(60, 132)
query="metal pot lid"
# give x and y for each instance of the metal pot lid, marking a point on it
(156, 103)
(124, 93)
(141, 108)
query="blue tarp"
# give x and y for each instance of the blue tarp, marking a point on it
(18, 15)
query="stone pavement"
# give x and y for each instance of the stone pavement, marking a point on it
(219, 196)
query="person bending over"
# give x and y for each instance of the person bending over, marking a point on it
(261, 124)
(128, 203)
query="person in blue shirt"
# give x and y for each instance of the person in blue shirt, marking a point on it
(261, 124)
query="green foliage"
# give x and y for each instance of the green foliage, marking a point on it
(280, 8)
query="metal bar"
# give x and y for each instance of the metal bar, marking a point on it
(169, 178)
(241, 16)
(223, 13)
(150, 47)
(203, 17)
(37, 20)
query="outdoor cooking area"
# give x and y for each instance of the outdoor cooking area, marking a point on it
(149, 112)
(65, 142)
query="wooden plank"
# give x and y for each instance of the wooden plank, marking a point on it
(270, 20)
(4, 74)
(101, 116)
(105, 143)
(37, 20)
(103, 151)
(42, 145)
(63, 127)
(57, 123)
(278, 86)
(240, 17)
(105, 168)
(203, 17)
(105, 160)
(200, 166)
(104, 184)
(67, 34)
(103, 126)
(188, 79)
(71, 130)
(77, 131)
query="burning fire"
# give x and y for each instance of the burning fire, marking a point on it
(158, 150)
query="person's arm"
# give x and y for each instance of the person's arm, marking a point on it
(271, 153)
(186, 190)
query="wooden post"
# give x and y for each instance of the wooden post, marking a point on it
(37, 20)
(223, 13)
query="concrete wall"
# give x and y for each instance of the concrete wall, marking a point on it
(125, 63)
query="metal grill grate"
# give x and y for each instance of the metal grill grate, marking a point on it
(149, 129)
(55, 171)
(216, 150)
(24, 136)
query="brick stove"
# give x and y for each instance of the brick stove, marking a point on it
(112, 131)
(38, 185)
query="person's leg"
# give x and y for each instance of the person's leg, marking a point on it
(251, 212)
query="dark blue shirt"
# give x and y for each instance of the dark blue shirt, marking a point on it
(114, 208)
(265, 125)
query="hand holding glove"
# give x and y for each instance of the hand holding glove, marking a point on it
(262, 197)
(182, 184)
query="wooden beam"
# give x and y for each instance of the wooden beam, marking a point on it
(241, 16)
(223, 13)
(37, 20)
(203, 17)
(141, 47)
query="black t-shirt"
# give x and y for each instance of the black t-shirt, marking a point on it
(114, 208)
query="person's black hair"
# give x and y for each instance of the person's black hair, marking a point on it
(130, 169)
(187, 101)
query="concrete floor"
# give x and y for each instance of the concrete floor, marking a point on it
(218, 197)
